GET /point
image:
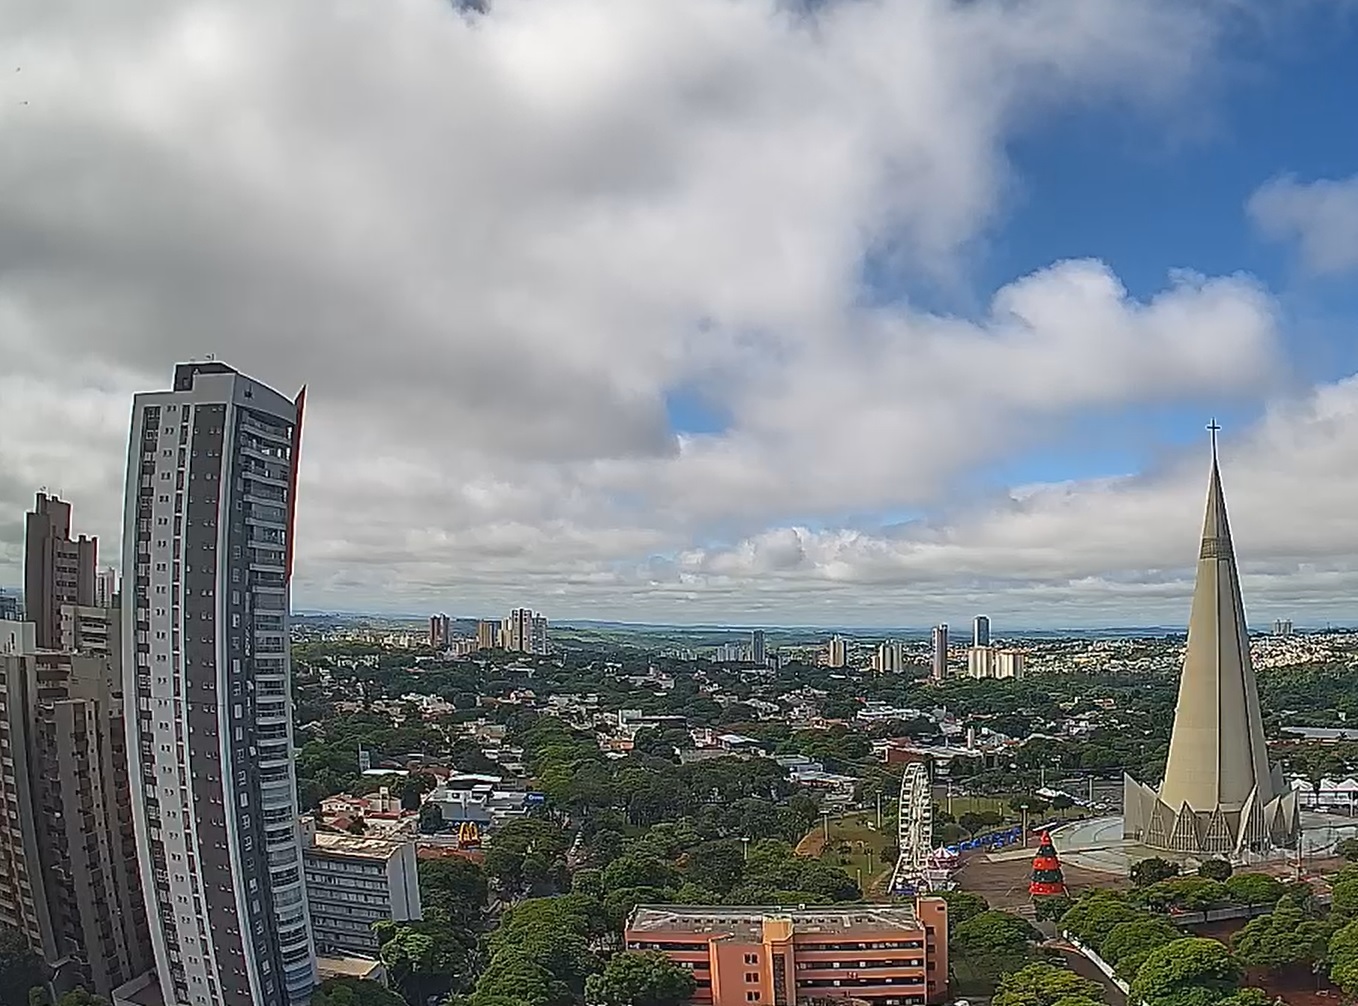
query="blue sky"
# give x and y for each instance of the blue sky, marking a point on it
(1149, 195)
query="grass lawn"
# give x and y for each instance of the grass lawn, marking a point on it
(856, 846)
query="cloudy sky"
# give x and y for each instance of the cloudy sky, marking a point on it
(841, 312)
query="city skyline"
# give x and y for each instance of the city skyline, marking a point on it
(989, 319)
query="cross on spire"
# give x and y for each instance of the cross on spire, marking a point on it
(1214, 428)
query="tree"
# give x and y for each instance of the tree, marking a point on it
(1215, 869)
(1146, 872)
(1044, 985)
(1343, 956)
(1128, 944)
(1254, 888)
(640, 979)
(1053, 908)
(1286, 938)
(962, 905)
(1195, 971)
(347, 992)
(456, 886)
(992, 932)
(1062, 801)
(357, 826)
(20, 968)
(1348, 849)
(1093, 917)
(81, 996)
(431, 819)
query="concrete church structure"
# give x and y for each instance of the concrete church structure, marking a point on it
(1219, 796)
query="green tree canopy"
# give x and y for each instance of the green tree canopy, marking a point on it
(1254, 888)
(1283, 939)
(1045, 985)
(1153, 870)
(1215, 869)
(1128, 944)
(640, 979)
(1195, 971)
(962, 905)
(347, 992)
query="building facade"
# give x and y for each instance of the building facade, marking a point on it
(759, 653)
(353, 882)
(69, 879)
(990, 662)
(440, 631)
(890, 955)
(980, 631)
(487, 634)
(889, 658)
(207, 561)
(57, 569)
(939, 665)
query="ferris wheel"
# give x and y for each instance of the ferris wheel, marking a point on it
(914, 832)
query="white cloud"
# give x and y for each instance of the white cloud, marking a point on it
(492, 245)
(1321, 216)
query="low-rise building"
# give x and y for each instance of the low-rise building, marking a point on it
(890, 955)
(352, 882)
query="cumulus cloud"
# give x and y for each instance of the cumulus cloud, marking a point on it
(494, 244)
(1321, 216)
(1105, 548)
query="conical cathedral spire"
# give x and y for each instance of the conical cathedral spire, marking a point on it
(1218, 794)
(1216, 753)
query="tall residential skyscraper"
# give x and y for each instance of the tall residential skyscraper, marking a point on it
(939, 667)
(106, 587)
(1219, 795)
(758, 653)
(524, 632)
(57, 569)
(487, 634)
(440, 631)
(207, 562)
(837, 652)
(980, 631)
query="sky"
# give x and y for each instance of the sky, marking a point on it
(853, 312)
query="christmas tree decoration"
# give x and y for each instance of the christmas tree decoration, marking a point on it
(1047, 879)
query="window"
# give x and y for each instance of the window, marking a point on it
(752, 977)
(751, 958)
(752, 997)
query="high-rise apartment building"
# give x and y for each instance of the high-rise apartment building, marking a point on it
(106, 583)
(889, 658)
(440, 631)
(990, 662)
(980, 662)
(487, 634)
(537, 635)
(758, 651)
(68, 865)
(524, 632)
(939, 666)
(9, 607)
(837, 652)
(57, 569)
(1008, 664)
(207, 562)
(1282, 627)
(980, 631)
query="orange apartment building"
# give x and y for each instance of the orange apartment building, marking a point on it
(885, 955)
